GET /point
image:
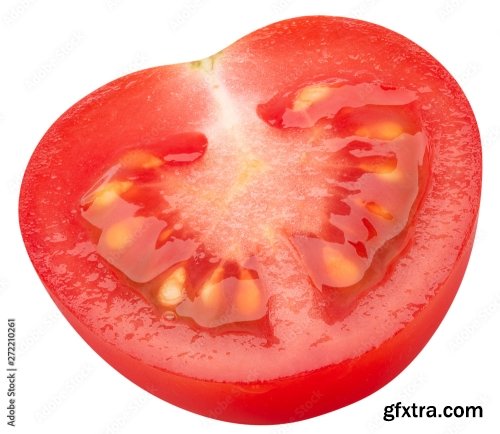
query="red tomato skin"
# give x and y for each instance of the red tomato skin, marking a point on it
(281, 400)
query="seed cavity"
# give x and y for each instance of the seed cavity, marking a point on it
(182, 223)
(230, 294)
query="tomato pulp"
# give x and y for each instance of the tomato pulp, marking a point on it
(267, 234)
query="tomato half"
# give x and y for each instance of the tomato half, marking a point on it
(285, 222)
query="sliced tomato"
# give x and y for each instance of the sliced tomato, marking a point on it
(287, 219)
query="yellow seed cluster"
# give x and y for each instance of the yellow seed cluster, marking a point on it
(121, 234)
(381, 130)
(310, 95)
(109, 192)
(172, 291)
(248, 295)
(344, 271)
(139, 159)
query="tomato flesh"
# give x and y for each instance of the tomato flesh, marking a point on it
(226, 230)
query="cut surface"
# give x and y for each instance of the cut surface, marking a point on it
(286, 206)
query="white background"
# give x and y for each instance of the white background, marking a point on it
(52, 53)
